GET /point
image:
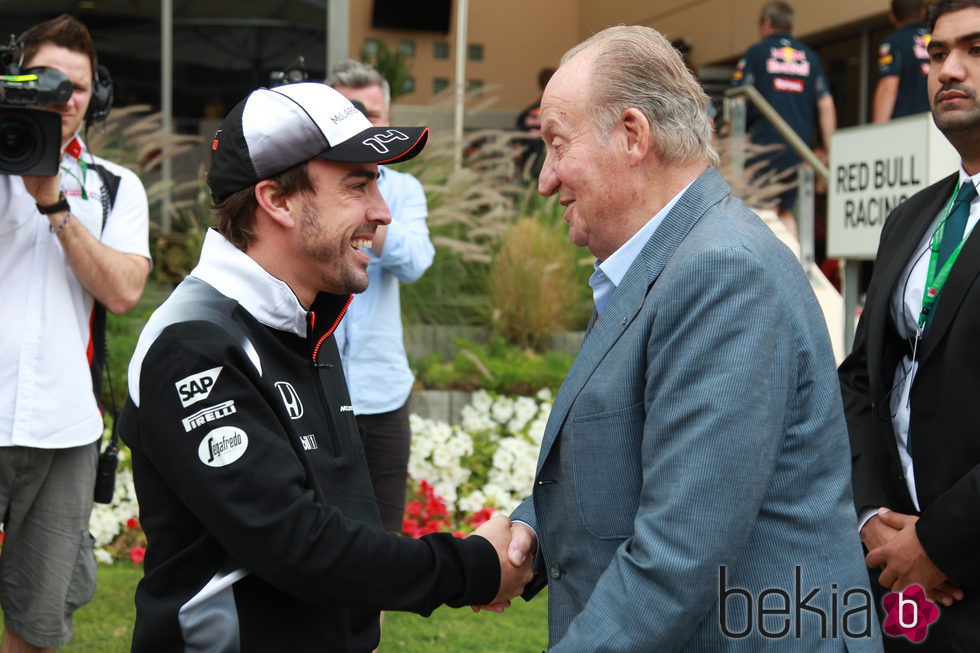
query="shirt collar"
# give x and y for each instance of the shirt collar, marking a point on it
(965, 176)
(238, 276)
(75, 147)
(609, 273)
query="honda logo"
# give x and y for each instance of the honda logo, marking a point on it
(290, 399)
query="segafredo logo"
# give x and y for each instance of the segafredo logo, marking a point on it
(197, 387)
(222, 446)
(380, 141)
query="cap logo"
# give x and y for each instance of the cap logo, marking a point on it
(380, 141)
(343, 115)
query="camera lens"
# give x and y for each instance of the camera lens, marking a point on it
(30, 141)
(15, 141)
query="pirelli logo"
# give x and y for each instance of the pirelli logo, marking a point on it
(210, 414)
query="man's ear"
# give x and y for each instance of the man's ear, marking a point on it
(638, 133)
(276, 205)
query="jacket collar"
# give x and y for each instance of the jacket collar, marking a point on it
(238, 276)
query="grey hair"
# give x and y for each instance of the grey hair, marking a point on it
(354, 74)
(636, 67)
(780, 15)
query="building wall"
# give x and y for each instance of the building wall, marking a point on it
(721, 30)
(519, 38)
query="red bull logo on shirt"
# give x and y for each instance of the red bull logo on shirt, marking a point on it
(787, 61)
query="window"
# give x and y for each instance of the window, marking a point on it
(475, 52)
(408, 86)
(371, 47)
(474, 84)
(441, 50)
(439, 84)
(406, 48)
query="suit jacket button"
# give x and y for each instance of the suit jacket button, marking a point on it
(554, 571)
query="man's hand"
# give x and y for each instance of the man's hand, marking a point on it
(44, 190)
(903, 560)
(499, 531)
(876, 533)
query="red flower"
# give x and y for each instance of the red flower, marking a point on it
(413, 508)
(480, 516)
(436, 508)
(136, 554)
(132, 522)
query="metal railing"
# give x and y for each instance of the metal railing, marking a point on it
(735, 114)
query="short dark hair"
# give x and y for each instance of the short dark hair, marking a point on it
(65, 31)
(906, 10)
(234, 216)
(947, 7)
(780, 15)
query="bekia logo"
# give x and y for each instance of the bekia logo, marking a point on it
(910, 613)
(222, 446)
(290, 399)
(197, 387)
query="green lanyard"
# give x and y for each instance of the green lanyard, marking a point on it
(936, 280)
(81, 182)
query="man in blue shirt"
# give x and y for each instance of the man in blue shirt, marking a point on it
(370, 338)
(903, 64)
(789, 76)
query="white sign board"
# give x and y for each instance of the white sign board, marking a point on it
(873, 168)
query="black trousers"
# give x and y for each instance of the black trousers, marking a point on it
(387, 439)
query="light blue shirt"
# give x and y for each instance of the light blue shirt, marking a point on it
(370, 335)
(609, 273)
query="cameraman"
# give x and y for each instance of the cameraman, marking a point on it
(56, 260)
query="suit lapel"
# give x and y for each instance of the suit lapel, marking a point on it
(627, 300)
(912, 224)
(961, 278)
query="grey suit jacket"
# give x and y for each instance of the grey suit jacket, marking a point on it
(696, 456)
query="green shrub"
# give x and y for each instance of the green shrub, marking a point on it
(497, 366)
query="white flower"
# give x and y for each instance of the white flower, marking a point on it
(544, 394)
(502, 410)
(103, 557)
(474, 502)
(481, 401)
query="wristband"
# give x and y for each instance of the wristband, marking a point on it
(60, 205)
(60, 227)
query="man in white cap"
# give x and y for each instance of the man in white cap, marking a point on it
(262, 527)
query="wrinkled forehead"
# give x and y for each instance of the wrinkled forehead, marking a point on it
(568, 94)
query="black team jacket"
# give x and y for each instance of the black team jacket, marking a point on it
(262, 528)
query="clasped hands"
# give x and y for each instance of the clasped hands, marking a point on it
(515, 545)
(893, 545)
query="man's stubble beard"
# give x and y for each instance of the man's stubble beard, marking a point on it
(342, 276)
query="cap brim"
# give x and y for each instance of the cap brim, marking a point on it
(379, 145)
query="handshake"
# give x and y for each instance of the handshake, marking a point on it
(515, 544)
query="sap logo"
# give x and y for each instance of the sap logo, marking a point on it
(197, 387)
(380, 141)
(222, 446)
(290, 399)
(347, 409)
(210, 414)
(308, 442)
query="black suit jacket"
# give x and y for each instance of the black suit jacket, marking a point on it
(945, 405)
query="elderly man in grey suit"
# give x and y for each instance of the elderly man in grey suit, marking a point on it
(692, 490)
